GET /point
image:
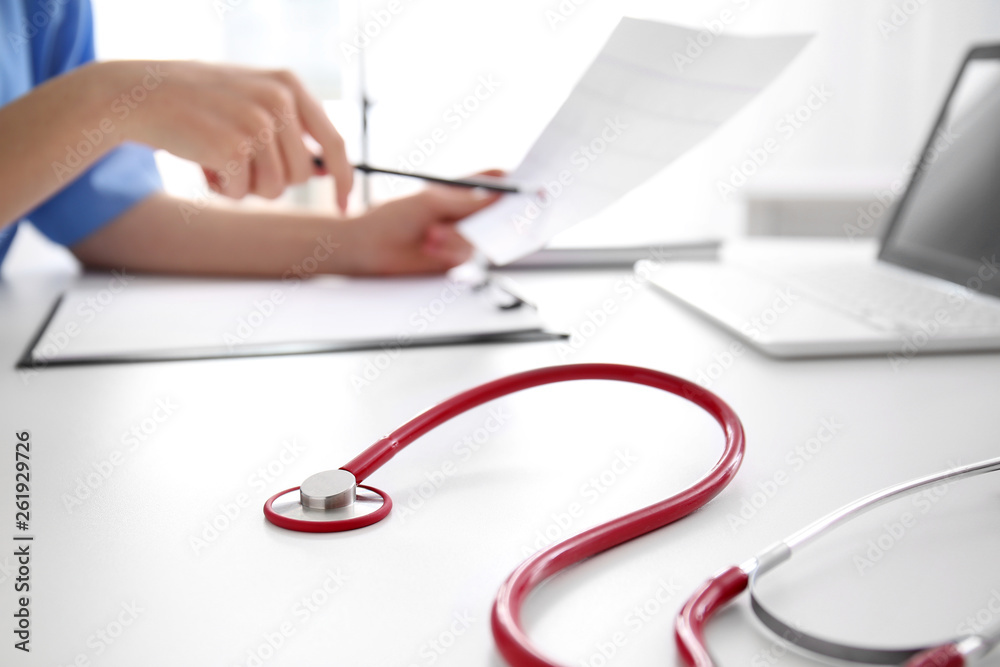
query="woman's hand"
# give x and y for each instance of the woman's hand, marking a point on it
(244, 126)
(414, 234)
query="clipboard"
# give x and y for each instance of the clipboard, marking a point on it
(124, 318)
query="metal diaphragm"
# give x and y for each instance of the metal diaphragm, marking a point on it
(328, 490)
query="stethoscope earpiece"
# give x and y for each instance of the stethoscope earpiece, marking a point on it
(328, 502)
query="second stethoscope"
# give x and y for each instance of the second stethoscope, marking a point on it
(726, 585)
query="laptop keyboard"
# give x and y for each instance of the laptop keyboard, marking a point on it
(892, 301)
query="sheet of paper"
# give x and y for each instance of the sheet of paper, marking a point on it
(145, 317)
(641, 104)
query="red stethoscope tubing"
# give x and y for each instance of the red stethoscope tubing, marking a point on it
(689, 629)
(512, 641)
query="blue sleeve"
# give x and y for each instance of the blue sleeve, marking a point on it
(65, 38)
(118, 181)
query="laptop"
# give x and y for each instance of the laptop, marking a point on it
(934, 285)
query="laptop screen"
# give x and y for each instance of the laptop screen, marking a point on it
(948, 222)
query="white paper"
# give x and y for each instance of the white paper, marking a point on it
(103, 318)
(636, 109)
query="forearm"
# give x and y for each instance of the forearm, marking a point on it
(161, 235)
(50, 136)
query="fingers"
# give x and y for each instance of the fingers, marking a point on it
(443, 247)
(212, 178)
(234, 128)
(298, 160)
(267, 172)
(246, 128)
(235, 183)
(457, 203)
(498, 173)
(453, 204)
(316, 123)
(240, 154)
(282, 136)
(446, 247)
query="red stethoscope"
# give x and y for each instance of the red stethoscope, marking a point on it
(334, 500)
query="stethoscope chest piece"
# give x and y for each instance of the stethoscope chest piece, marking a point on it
(328, 502)
(329, 490)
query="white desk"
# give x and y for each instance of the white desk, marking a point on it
(417, 588)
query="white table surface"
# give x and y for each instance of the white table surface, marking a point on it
(417, 588)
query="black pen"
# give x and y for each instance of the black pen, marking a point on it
(484, 182)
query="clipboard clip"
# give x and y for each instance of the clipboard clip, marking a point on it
(501, 292)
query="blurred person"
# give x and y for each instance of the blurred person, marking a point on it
(76, 161)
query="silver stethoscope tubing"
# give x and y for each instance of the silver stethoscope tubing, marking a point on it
(724, 586)
(782, 551)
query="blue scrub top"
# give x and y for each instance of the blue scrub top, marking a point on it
(40, 39)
